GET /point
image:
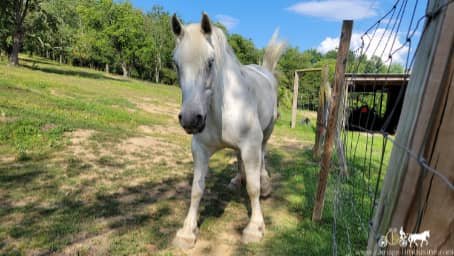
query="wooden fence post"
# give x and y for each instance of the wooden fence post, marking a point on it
(339, 78)
(295, 99)
(323, 100)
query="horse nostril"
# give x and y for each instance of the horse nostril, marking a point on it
(179, 116)
(198, 118)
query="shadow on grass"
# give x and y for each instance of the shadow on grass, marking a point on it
(36, 212)
(294, 189)
(47, 219)
(36, 60)
(67, 72)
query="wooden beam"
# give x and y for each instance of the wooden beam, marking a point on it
(323, 101)
(295, 99)
(308, 70)
(339, 77)
(295, 91)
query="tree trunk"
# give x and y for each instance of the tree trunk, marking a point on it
(107, 69)
(158, 67)
(20, 11)
(125, 69)
(17, 40)
(156, 74)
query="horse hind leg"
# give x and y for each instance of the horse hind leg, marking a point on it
(265, 180)
(237, 181)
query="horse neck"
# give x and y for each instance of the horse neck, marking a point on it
(230, 67)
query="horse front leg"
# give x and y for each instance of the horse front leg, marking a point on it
(187, 235)
(252, 158)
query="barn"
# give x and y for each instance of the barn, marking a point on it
(375, 101)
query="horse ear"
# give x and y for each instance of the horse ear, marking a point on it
(206, 24)
(177, 27)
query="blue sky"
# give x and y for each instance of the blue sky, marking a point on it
(305, 23)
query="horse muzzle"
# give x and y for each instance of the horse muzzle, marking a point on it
(192, 123)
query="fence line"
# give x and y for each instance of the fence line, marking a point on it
(355, 195)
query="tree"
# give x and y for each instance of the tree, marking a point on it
(126, 33)
(60, 35)
(94, 44)
(244, 49)
(162, 39)
(40, 26)
(18, 11)
(5, 24)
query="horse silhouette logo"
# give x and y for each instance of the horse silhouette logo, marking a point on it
(403, 239)
(422, 237)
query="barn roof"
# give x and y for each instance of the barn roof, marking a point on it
(373, 82)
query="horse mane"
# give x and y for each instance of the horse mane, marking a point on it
(223, 50)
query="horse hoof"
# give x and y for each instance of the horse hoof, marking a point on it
(265, 187)
(184, 241)
(252, 234)
(234, 185)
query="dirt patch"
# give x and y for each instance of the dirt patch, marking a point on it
(48, 127)
(148, 151)
(163, 109)
(7, 159)
(79, 136)
(162, 130)
(286, 143)
(56, 93)
(78, 140)
(6, 119)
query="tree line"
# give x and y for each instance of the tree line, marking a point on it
(116, 37)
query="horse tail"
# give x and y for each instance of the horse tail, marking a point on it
(273, 52)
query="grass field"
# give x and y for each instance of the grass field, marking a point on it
(93, 164)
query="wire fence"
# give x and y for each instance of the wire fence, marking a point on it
(369, 121)
(308, 91)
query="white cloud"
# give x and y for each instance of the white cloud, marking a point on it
(372, 46)
(228, 21)
(328, 44)
(336, 9)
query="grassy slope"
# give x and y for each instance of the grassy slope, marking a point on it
(94, 164)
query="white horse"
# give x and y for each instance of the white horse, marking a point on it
(225, 105)
(412, 238)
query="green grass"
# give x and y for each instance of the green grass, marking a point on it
(94, 164)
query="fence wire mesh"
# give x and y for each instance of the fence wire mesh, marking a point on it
(370, 115)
